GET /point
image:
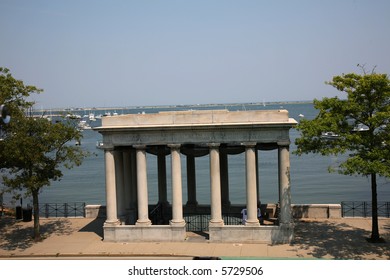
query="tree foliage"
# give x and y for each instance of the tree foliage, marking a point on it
(359, 126)
(34, 150)
(14, 93)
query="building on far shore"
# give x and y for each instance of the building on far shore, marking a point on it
(192, 134)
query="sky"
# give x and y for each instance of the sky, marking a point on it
(148, 53)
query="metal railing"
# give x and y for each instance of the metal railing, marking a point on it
(50, 210)
(200, 222)
(156, 215)
(364, 209)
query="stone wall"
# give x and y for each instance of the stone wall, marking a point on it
(316, 211)
(95, 211)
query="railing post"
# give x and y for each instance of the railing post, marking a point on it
(47, 210)
(66, 210)
(388, 209)
(365, 209)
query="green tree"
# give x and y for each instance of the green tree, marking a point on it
(34, 150)
(14, 94)
(360, 128)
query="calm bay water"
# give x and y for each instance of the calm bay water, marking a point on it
(310, 180)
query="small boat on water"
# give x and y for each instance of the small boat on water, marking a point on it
(73, 116)
(83, 125)
(92, 117)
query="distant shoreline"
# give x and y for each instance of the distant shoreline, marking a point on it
(172, 106)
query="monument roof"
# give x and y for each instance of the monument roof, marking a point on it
(198, 118)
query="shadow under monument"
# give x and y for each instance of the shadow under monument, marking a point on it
(95, 226)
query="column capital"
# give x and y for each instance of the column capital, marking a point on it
(213, 145)
(174, 146)
(249, 144)
(139, 147)
(284, 143)
(108, 148)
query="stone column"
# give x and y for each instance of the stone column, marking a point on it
(251, 196)
(177, 197)
(142, 187)
(191, 181)
(224, 168)
(284, 183)
(120, 186)
(215, 184)
(162, 176)
(111, 209)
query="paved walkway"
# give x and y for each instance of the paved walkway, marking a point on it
(82, 238)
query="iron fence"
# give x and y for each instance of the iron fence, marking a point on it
(156, 215)
(50, 210)
(200, 222)
(364, 209)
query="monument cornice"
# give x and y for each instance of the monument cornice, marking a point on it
(196, 127)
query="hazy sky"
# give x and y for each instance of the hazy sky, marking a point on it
(141, 53)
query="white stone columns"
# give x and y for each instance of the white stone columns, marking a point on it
(251, 196)
(111, 210)
(177, 197)
(215, 184)
(284, 183)
(142, 187)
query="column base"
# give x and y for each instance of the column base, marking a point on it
(179, 223)
(112, 223)
(143, 223)
(216, 223)
(252, 223)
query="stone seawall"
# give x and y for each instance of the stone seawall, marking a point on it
(316, 211)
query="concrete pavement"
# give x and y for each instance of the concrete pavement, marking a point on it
(76, 238)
